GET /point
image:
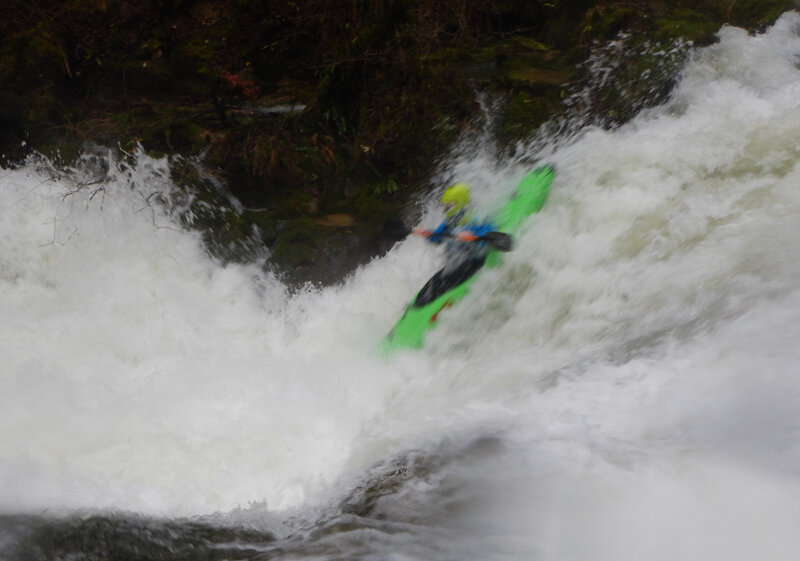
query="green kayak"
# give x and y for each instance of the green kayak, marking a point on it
(444, 290)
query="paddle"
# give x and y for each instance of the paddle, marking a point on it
(498, 240)
(395, 230)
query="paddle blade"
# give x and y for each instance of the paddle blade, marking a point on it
(395, 230)
(498, 240)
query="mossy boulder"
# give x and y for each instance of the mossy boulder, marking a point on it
(321, 251)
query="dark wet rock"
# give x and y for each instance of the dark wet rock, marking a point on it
(125, 538)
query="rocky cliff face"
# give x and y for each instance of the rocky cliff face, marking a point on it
(324, 118)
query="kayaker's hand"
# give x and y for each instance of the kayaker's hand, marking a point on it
(466, 237)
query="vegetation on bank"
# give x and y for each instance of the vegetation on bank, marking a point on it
(323, 117)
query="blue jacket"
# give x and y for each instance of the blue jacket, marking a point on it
(457, 251)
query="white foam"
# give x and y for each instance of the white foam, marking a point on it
(635, 354)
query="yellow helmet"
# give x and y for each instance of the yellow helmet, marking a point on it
(455, 198)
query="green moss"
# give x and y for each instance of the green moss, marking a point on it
(530, 65)
(296, 244)
(61, 154)
(524, 113)
(757, 13)
(686, 24)
(605, 21)
(539, 79)
(265, 221)
(531, 44)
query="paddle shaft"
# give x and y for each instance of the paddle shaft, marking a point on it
(498, 240)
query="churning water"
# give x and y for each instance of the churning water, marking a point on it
(625, 387)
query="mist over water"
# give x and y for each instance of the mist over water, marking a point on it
(625, 386)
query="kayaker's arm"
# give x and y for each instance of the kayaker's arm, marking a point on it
(396, 230)
(498, 240)
(441, 232)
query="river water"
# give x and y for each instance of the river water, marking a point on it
(624, 387)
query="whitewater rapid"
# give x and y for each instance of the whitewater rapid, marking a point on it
(626, 386)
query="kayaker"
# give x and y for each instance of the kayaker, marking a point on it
(465, 250)
(459, 218)
(459, 229)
